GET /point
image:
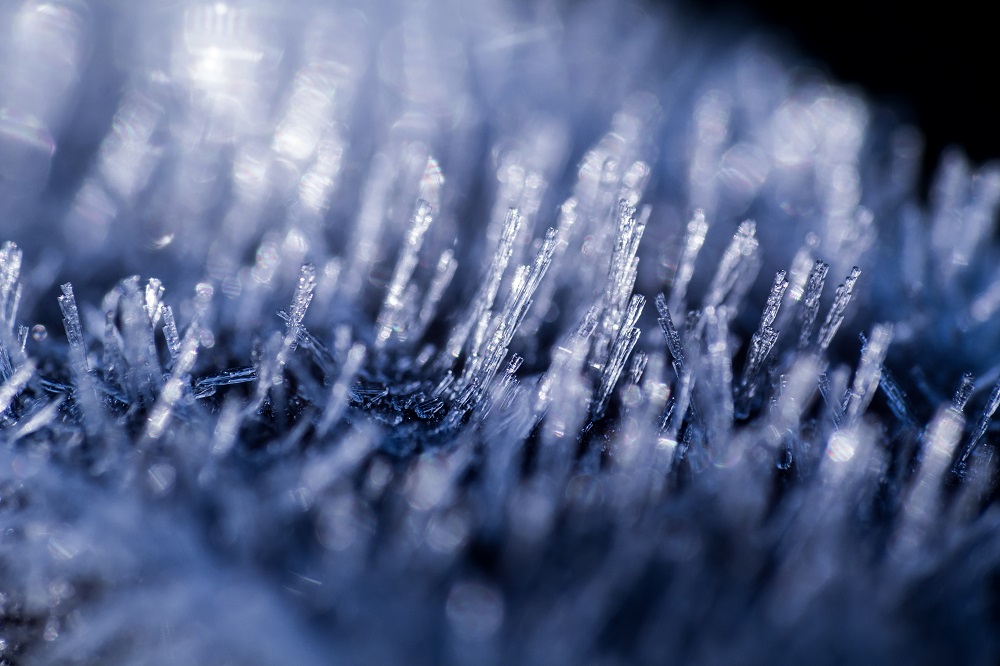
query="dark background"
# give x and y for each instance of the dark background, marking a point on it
(934, 63)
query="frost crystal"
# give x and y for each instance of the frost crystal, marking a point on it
(394, 394)
(836, 315)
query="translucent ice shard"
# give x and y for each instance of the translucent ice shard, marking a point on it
(717, 387)
(835, 317)
(10, 289)
(17, 383)
(175, 388)
(982, 424)
(144, 375)
(443, 274)
(987, 303)
(389, 318)
(523, 290)
(207, 385)
(616, 333)
(563, 400)
(711, 119)
(482, 302)
(226, 431)
(922, 502)
(673, 338)
(74, 330)
(568, 358)
(567, 219)
(760, 347)
(964, 391)
(153, 300)
(170, 333)
(40, 417)
(339, 392)
(323, 471)
(370, 223)
(866, 378)
(300, 304)
(620, 281)
(810, 302)
(797, 390)
(483, 365)
(736, 268)
(694, 239)
(621, 349)
(85, 391)
(280, 347)
(897, 399)
(502, 393)
(636, 445)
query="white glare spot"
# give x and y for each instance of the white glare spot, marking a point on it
(841, 448)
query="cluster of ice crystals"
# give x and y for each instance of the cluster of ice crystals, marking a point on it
(394, 395)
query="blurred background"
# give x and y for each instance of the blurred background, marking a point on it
(934, 64)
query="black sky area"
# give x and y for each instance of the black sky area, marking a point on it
(935, 63)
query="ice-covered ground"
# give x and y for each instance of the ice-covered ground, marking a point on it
(480, 332)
